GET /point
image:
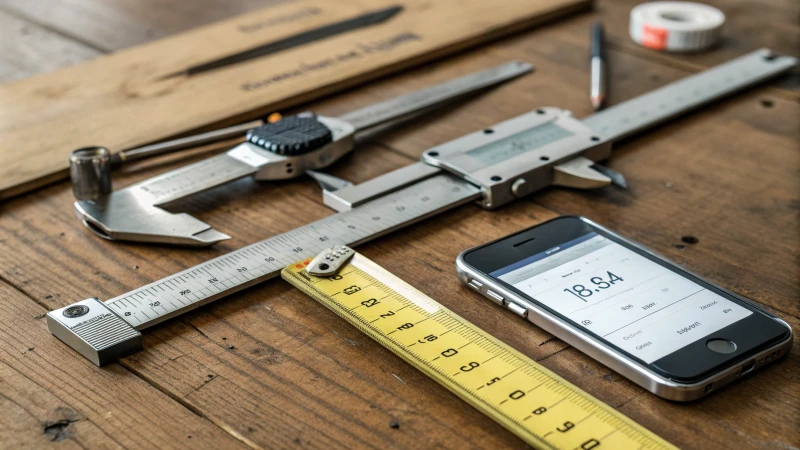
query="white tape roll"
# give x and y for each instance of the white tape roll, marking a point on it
(676, 26)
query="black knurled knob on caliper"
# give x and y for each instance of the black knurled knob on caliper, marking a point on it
(292, 135)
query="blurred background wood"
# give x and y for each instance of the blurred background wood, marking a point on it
(271, 368)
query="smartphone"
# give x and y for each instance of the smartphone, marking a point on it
(664, 328)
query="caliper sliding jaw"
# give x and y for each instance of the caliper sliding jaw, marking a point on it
(510, 160)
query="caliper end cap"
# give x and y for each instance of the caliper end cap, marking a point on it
(92, 329)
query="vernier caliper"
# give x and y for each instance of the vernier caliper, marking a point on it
(493, 167)
(282, 150)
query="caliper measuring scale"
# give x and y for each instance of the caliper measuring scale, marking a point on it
(521, 155)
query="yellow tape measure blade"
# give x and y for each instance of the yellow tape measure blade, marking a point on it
(537, 405)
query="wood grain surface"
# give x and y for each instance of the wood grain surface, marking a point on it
(271, 368)
(44, 118)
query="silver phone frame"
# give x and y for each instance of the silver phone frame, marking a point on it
(610, 357)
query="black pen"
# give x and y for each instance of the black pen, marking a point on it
(598, 67)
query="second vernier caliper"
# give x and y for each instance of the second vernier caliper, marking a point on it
(286, 149)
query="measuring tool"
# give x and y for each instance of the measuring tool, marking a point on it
(281, 150)
(493, 166)
(676, 26)
(532, 402)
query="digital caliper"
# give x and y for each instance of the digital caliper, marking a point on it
(493, 166)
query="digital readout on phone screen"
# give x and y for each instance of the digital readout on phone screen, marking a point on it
(628, 300)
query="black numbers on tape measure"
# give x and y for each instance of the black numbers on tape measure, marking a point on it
(428, 338)
(241, 269)
(127, 313)
(213, 280)
(516, 395)
(567, 426)
(387, 314)
(351, 290)
(335, 277)
(370, 303)
(405, 326)
(323, 238)
(493, 381)
(590, 444)
(297, 249)
(269, 259)
(470, 366)
(539, 411)
(352, 227)
(154, 304)
(186, 292)
(449, 352)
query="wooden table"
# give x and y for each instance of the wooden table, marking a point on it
(271, 368)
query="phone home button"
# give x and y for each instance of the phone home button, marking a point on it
(721, 346)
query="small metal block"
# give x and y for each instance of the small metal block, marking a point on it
(336, 256)
(95, 331)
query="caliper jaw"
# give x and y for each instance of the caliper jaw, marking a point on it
(508, 161)
(133, 213)
(121, 217)
(524, 154)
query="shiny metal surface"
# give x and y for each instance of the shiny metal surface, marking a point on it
(679, 97)
(133, 213)
(435, 96)
(528, 147)
(90, 172)
(95, 331)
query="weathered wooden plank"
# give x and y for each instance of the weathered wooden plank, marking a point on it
(118, 24)
(27, 49)
(47, 395)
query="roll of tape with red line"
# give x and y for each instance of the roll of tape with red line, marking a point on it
(676, 26)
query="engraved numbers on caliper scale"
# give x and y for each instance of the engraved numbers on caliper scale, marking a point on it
(193, 287)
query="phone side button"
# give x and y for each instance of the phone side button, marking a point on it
(475, 284)
(495, 297)
(519, 310)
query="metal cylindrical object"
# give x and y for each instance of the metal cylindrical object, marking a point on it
(90, 171)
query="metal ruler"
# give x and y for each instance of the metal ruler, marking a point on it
(453, 174)
(532, 402)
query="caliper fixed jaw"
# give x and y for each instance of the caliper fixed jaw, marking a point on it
(95, 331)
(120, 216)
(134, 213)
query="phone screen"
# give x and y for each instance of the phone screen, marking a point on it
(632, 302)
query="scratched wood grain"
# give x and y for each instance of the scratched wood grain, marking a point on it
(89, 102)
(272, 368)
(47, 397)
